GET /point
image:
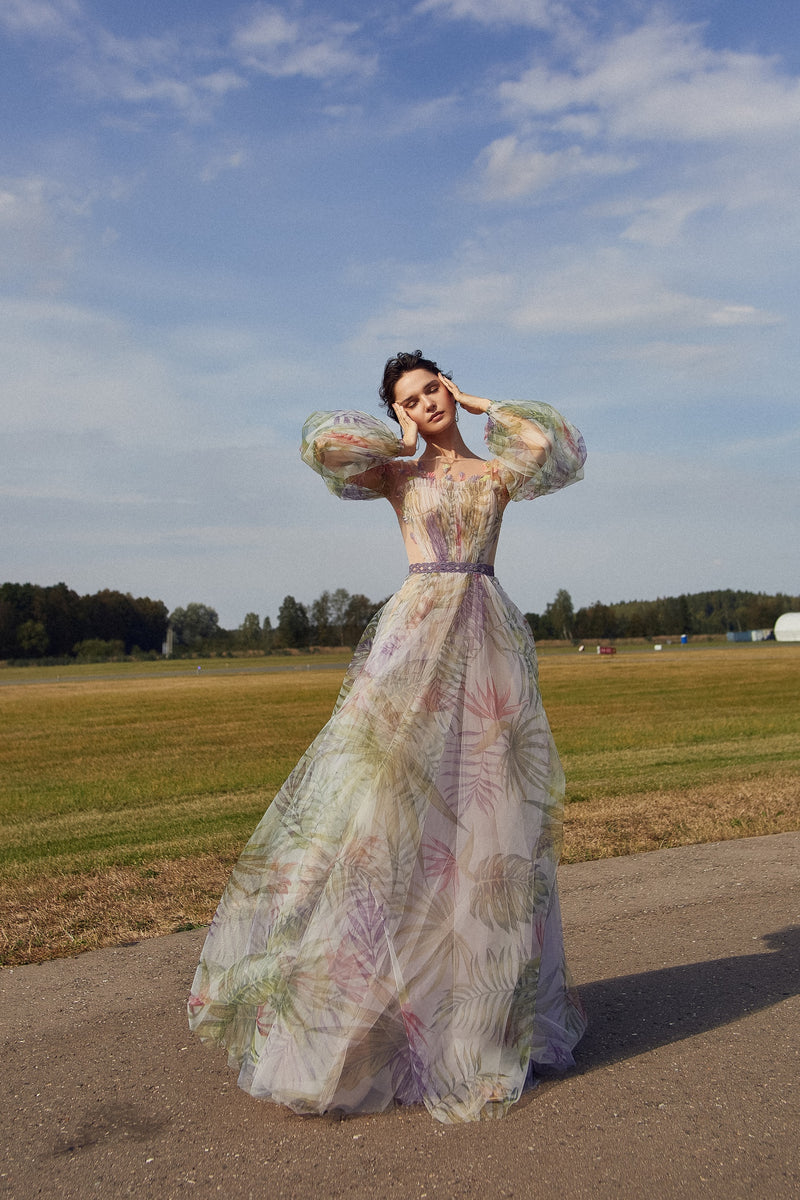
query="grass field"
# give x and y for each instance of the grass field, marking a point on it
(126, 792)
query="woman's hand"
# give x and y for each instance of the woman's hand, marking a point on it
(410, 432)
(470, 404)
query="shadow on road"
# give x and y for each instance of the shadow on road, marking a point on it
(635, 1013)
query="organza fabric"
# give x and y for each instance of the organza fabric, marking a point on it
(392, 931)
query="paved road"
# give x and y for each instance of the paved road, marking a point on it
(686, 1086)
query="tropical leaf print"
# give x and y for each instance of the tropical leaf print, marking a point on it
(491, 704)
(358, 863)
(502, 894)
(372, 1048)
(519, 1023)
(481, 1005)
(527, 758)
(440, 864)
(367, 934)
(409, 1075)
(432, 947)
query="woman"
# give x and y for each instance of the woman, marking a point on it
(392, 930)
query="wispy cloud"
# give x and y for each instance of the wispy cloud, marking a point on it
(538, 14)
(315, 47)
(579, 292)
(660, 81)
(41, 18)
(190, 71)
(511, 168)
(220, 162)
(152, 72)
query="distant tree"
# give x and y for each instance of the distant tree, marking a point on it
(535, 622)
(267, 634)
(32, 638)
(148, 626)
(322, 631)
(119, 616)
(293, 624)
(62, 612)
(250, 632)
(596, 621)
(357, 616)
(560, 614)
(107, 615)
(636, 625)
(338, 612)
(194, 624)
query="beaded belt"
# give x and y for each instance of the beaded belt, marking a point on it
(460, 568)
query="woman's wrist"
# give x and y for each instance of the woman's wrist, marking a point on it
(474, 404)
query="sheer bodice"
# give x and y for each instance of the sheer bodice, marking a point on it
(446, 517)
(450, 519)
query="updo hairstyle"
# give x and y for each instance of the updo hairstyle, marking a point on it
(400, 365)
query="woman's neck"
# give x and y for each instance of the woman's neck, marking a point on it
(448, 445)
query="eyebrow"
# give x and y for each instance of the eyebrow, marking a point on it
(416, 395)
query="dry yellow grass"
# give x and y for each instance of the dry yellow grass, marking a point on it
(716, 812)
(124, 803)
(64, 913)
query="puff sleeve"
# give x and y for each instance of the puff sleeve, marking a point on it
(515, 433)
(350, 450)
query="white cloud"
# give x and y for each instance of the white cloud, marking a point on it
(691, 358)
(151, 71)
(610, 289)
(660, 81)
(600, 291)
(540, 14)
(40, 18)
(661, 220)
(225, 160)
(317, 48)
(38, 243)
(222, 81)
(44, 225)
(512, 168)
(190, 72)
(439, 304)
(741, 314)
(73, 369)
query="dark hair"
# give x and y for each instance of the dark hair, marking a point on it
(400, 365)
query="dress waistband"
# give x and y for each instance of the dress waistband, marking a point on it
(459, 568)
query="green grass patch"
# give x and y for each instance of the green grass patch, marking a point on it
(125, 796)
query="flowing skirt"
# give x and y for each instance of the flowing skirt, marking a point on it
(392, 931)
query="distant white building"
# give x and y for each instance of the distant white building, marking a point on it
(787, 628)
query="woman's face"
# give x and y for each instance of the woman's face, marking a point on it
(426, 400)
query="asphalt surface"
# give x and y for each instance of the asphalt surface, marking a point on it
(688, 962)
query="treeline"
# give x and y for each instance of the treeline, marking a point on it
(698, 613)
(39, 623)
(55, 622)
(334, 619)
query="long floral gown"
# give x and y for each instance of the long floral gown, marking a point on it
(392, 931)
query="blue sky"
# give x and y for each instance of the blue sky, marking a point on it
(215, 218)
